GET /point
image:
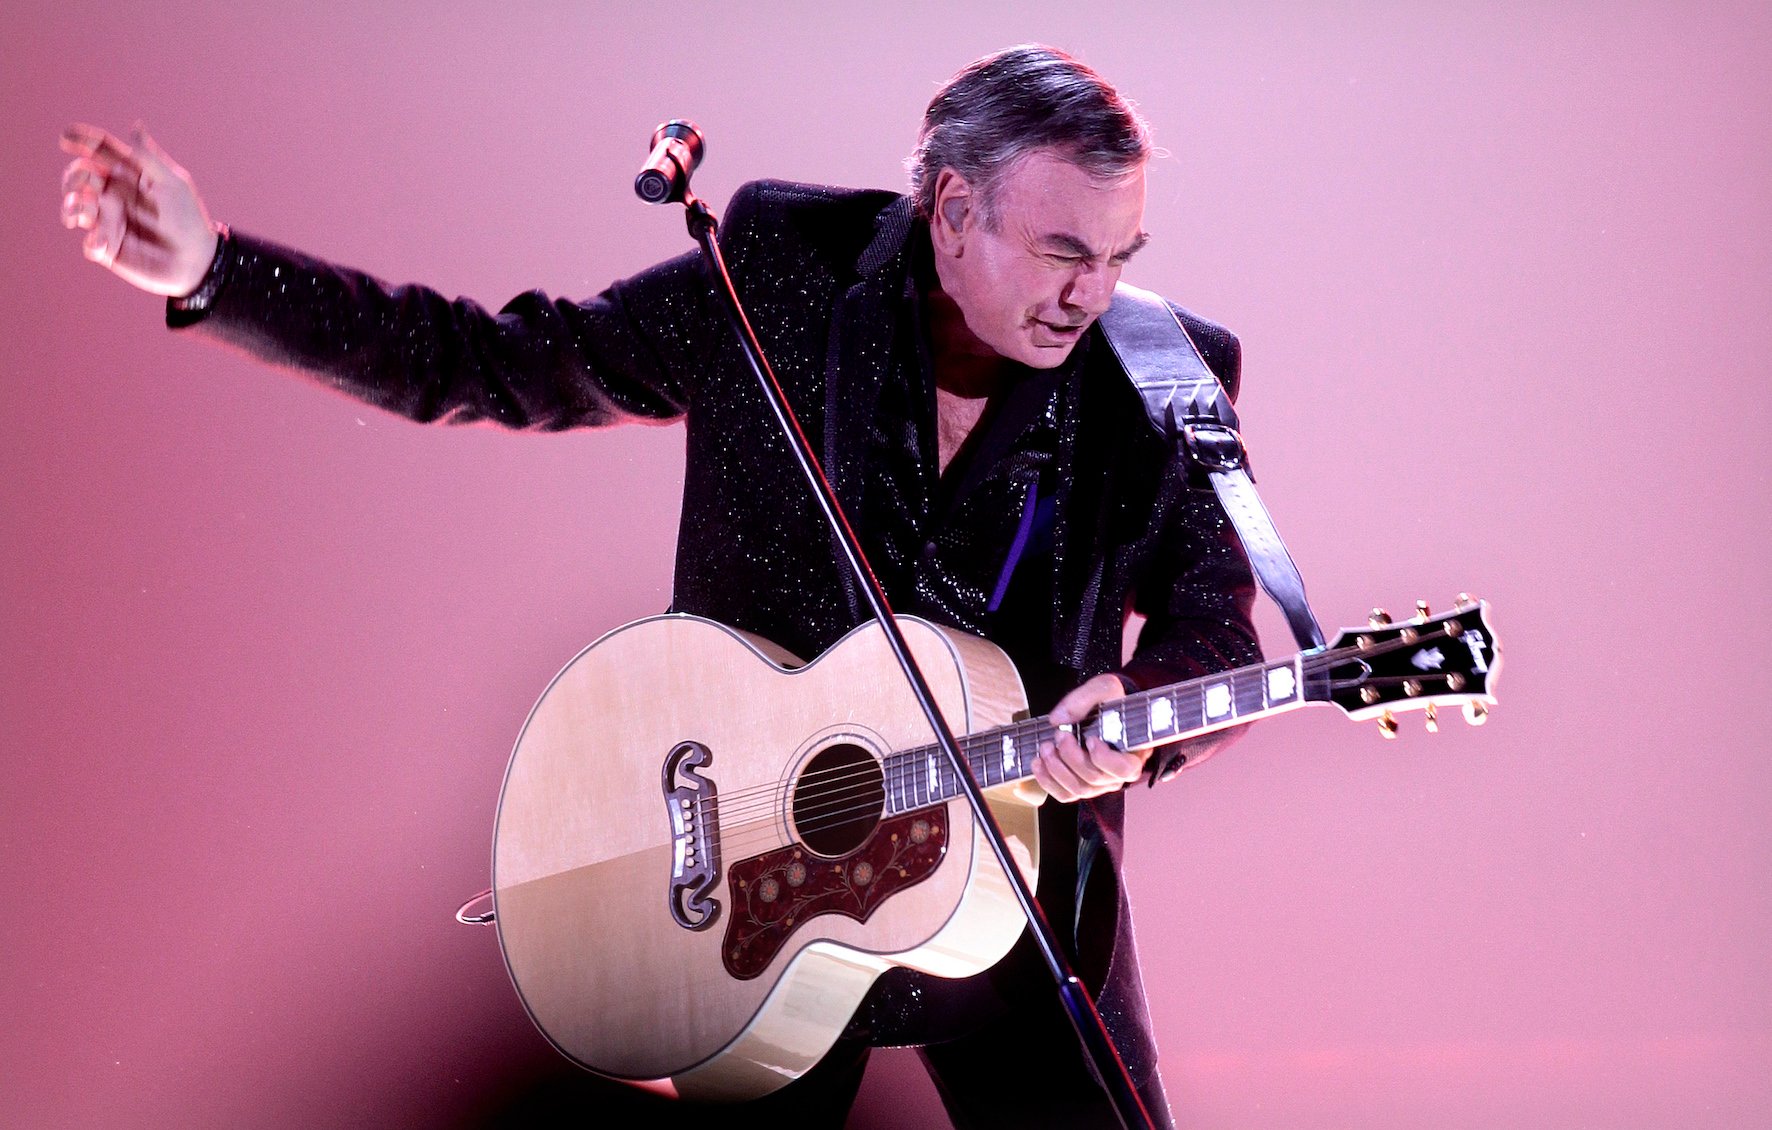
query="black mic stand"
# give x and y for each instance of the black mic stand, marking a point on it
(1103, 1058)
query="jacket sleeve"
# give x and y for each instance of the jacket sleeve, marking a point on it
(632, 353)
(1198, 592)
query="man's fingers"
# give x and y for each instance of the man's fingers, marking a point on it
(1067, 768)
(1098, 764)
(1056, 779)
(81, 139)
(1070, 771)
(99, 146)
(83, 172)
(155, 163)
(99, 249)
(1085, 697)
(80, 209)
(100, 188)
(88, 189)
(1115, 766)
(82, 182)
(105, 238)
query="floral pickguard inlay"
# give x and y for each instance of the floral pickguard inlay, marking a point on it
(773, 893)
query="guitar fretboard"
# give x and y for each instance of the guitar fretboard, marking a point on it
(919, 777)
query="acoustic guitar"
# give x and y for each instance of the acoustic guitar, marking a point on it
(706, 850)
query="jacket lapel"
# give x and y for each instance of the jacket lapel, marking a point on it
(858, 354)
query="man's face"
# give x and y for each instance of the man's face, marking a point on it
(1029, 289)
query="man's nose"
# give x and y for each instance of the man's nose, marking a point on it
(1091, 289)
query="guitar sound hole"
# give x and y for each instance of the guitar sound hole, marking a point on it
(838, 800)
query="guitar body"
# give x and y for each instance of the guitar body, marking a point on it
(672, 906)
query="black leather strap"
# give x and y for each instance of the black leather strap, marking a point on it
(1187, 405)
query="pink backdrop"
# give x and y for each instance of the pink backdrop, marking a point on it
(1502, 278)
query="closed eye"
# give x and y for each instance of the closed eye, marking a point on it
(1069, 251)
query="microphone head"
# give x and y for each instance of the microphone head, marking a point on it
(677, 148)
(653, 186)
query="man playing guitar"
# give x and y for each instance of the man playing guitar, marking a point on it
(983, 439)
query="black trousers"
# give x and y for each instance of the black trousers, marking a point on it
(1026, 1071)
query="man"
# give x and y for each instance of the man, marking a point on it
(987, 447)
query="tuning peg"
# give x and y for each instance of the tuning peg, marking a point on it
(1387, 725)
(1465, 598)
(1421, 610)
(1433, 719)
(1475, 713)
(1378, 618)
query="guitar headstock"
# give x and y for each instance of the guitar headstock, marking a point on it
(1419, 664)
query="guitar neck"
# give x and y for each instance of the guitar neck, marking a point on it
(919, 777)
(1428, 662)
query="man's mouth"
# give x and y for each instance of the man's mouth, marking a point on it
(1063, 329)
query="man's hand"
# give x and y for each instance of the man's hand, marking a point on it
(141, 214)
(1069, 770)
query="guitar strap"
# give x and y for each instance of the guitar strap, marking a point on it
(1188, 406)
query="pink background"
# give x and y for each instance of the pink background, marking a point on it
(1502, 279)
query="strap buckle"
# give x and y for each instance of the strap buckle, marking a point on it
(1214, 447)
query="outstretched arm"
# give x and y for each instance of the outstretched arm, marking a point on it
(630, 353)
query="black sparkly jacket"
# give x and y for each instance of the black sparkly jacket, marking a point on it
(822, 272)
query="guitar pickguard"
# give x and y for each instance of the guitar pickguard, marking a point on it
(774, 893)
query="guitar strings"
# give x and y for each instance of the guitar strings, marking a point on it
(742, 839)
(897, 772)
(843, 795)
(834, 806)
(839, 786)
(839, 805)
(979, 748)
(767, 797)
(740, 818)
(983, 743)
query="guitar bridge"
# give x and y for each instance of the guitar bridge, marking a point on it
(691, 808)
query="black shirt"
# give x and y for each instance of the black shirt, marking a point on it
(971, 547)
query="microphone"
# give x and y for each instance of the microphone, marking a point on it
(677, 147)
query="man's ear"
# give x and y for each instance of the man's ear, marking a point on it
(953, 213)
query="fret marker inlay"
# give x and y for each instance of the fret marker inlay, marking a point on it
(1280, 684)
(1113, 730)
(1008, 756)
(1162, 714)
(1218, 700)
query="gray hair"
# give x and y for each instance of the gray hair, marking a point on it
(1006, 106)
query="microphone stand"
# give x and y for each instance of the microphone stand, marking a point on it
(1104, 1060)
